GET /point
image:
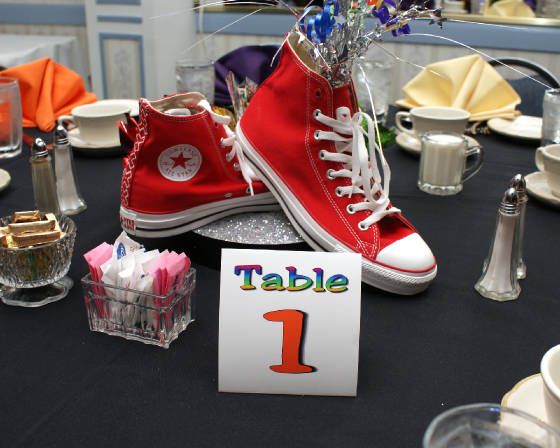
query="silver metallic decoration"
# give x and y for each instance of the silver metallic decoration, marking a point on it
(349, 39)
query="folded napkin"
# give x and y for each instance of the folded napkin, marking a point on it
(467, 82)
(48, 90)
(510, 8)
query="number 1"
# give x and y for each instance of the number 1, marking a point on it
(293, 321)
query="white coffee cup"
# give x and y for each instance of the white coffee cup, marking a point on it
(433, 118)
(547, 159)
(550, 372)
(98, 123)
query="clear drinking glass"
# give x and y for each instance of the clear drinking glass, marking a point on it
(377, 75)
(443, 163)
(196, 75)
(489, 426)
(551, 117)
(10, 118)
(548, 8)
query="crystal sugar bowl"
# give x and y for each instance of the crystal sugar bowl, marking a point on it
(36, 275)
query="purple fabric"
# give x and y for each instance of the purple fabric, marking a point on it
(252, 61)
(532, 4)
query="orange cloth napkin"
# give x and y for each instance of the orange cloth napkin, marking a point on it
(48, 90)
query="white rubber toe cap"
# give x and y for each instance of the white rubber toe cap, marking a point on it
(410, 253)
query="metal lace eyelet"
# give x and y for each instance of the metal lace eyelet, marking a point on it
(338, 191)
(363, 226)
(330, 174)
(229, 158)
(316, 134)
(350, 209)
(316, 113)
(236, 166)
(322, 154)
(247, 190)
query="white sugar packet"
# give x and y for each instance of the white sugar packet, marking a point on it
(124, 245)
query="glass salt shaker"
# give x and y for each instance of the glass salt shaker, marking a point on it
(518, 182)
(499, 276)
(42, 174)
(69, 197)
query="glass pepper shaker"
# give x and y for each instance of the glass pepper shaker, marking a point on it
(518, 182)
(69, 197)
(42, 175)
(499, 276)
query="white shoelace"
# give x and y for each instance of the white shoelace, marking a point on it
(360, 163)
(236, 148)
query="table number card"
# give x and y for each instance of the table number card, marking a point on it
(289, 322)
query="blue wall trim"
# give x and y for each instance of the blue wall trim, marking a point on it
(119, 19)
(518, 37)
(134, 37)
(42, 14)
(118, 2)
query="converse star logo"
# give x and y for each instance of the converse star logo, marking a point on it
(179, 163)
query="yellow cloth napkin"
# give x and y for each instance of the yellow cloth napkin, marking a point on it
(509, 8)
(467, 82)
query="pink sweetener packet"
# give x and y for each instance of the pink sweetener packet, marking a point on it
(178, 267)
(158, 274)
(168, 267)
(174, 269)
(96, 257)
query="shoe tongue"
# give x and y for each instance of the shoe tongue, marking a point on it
(344, 97)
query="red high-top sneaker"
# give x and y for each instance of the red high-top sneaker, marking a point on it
(305, 141)
(185, 170)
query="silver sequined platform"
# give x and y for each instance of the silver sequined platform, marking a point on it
(263, 228)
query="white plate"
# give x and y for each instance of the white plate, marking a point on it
(524, 127)
(132, 104)
(527, 395)
(4, 179)
(77, 142)
(537, 186)
(413, 145)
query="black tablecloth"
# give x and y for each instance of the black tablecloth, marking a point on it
(61, 385)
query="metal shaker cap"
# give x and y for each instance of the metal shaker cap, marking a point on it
(510, 202)
(518, 182)
(39, 149)
(60, 136)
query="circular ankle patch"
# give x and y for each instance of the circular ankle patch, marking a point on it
(179, 163)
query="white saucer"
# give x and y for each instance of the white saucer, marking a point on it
(132, 104)
(4, 179)
(524, 127)
(527, 395)
(537, 186)
(413, 145)
(77, 142)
